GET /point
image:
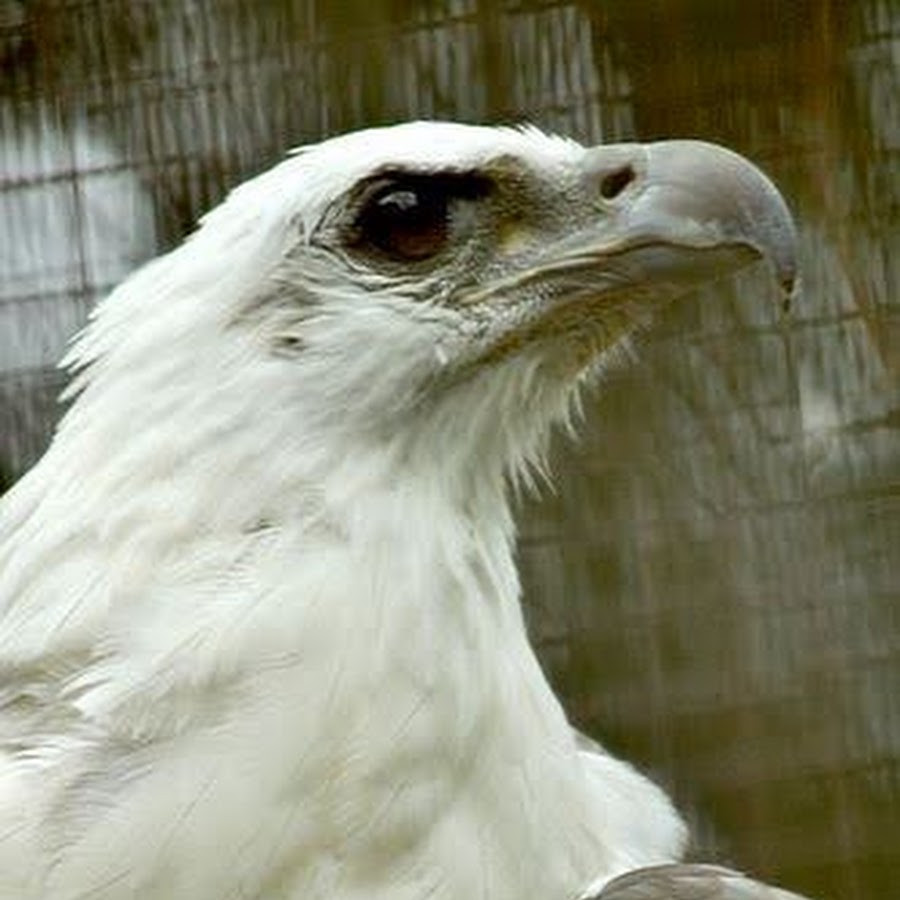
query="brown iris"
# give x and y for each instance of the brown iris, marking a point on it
(409, 218)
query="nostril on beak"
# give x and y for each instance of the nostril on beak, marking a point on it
(613, 183)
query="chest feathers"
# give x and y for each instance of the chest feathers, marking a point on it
(337, 708)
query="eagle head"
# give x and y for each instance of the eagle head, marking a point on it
(433, 288)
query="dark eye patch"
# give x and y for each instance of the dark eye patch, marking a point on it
(409, 217)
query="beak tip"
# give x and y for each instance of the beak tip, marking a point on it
(790, 290)
(783, 254)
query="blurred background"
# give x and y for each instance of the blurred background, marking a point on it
(714, 584)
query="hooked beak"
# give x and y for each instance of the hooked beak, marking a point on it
(649, 223)
(675, 214)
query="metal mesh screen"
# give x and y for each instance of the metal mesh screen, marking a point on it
(715, 584)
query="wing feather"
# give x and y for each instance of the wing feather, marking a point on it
(689, 882)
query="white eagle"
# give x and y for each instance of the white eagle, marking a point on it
(260, 630)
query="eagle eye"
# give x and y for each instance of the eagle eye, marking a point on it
(410, 218)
